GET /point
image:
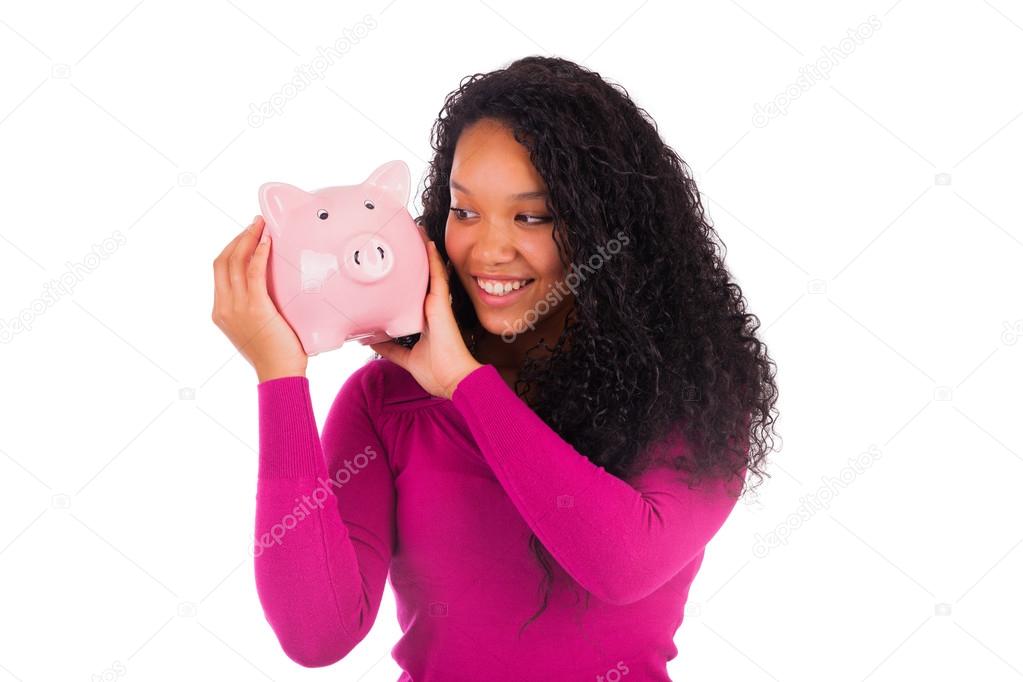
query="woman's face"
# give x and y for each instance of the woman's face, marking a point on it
(498, 234)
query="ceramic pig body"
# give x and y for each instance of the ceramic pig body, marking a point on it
(346, 263)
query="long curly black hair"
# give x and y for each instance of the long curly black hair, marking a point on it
(661, 340)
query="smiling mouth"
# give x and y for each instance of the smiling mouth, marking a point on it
(501, 289)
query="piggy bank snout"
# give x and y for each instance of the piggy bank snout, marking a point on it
(368, 257)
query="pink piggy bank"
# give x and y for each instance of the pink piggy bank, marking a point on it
(346, 262)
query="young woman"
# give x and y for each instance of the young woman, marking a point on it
(541, 472)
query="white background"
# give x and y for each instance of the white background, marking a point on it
(875, 228)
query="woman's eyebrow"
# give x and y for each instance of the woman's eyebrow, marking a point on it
(536, 194)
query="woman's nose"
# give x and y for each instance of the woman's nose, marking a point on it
(494, 244)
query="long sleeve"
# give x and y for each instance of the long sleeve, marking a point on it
(324, 531)
(619, 541)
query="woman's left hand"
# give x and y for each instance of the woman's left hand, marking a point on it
(440, 359)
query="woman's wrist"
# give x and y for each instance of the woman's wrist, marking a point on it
(264, 374)
(465, 371)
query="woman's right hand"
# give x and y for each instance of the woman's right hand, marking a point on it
(244, 311)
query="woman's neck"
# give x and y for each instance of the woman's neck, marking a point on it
(508, 357)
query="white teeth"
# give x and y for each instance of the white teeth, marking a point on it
(495, 288)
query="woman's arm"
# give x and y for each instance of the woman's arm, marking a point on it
(324, 519)
(619, 541)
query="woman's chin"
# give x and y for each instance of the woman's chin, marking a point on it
(499, 322)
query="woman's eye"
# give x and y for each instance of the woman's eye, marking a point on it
(460, 213)
(537, 219)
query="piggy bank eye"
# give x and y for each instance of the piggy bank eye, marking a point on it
(368, 204)
(321, 214)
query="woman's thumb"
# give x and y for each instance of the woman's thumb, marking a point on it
(257, 265)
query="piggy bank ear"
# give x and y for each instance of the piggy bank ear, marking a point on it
(392, 178)
(275, 198)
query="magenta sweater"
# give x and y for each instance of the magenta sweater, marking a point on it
(443, 494)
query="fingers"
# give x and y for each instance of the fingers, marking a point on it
(238, 260)
(438, 273)
(393, 352)
(256, 273)
(230, 245)
(221, 272)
